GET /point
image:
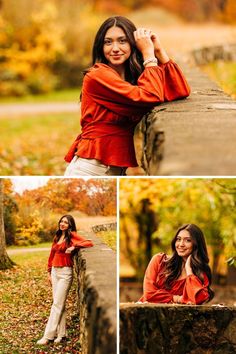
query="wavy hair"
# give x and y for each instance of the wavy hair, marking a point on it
(71, 228)
(134, 64)
(199, 258)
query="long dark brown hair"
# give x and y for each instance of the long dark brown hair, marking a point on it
(199, 258)
(71, 228)
(134, 64)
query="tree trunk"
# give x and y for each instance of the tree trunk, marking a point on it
(5, 261)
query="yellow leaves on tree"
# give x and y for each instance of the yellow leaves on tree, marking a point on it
(28, 229)
(28, 51)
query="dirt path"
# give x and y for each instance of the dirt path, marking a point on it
(26, 250)
(182, 38)
(23, 109)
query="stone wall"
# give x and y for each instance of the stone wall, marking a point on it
(194, 136)
(207, 55)
(96, 269)
(177, 329)
(105, 227)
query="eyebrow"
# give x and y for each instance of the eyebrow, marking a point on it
(121, 37)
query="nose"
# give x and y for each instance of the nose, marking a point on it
(181, 243)
(115, 47)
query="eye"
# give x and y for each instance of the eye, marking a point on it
(107, 42)
(123, 40)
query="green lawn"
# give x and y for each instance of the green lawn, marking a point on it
(40, 245)
(55, 96)
(36, 144)
(109, 238)
(25, 305)
(224, 73)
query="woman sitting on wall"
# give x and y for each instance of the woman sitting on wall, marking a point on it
(183, 278)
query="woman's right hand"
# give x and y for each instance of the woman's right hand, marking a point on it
(50, 278)
(188, 268)
(144, 43)
(177, 299)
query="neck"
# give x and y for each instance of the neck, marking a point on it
(119, 69)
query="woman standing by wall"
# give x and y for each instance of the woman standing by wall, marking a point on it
(60, 275)
(131, 74)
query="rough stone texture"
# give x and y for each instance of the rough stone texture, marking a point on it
(96, 269)
(194, 136)
(177, 329)
(206, 55)
(104, 227)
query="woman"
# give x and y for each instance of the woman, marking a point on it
(131, 74)
(183, 278)
(60, 274)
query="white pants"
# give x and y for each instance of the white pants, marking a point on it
(61, 282)
(92, 167)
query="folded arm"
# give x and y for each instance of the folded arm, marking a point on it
(195, 291)
(151, 292)
(80, 242)
(155, 85)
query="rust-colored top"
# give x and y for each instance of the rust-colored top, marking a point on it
(112, 107)
(191, 287)
(58, 257)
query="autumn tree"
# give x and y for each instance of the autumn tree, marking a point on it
(5, 261)
(10, 211)
(93, 197)
(147, 223)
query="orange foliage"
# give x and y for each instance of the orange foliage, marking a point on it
(92, 197)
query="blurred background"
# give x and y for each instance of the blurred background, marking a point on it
(46, 44)
(31, 213)
(151, 211)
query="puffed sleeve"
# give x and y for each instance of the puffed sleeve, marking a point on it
(50, 259)
(175, 84)
(195, 291)
(80, 242)
(155, 85)
(151, 293)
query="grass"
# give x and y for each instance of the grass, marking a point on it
(36, 144)
(109, 238)
(25, 306)
(40, 245)
(224, 73)
(55, 96)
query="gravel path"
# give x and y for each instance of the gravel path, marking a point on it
(26, 250)
(19, 109)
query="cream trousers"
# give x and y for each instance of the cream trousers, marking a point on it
(92, 167)
(61, 282)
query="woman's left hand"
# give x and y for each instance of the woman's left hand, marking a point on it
(188, 268)
(160, 52)
(70, 249)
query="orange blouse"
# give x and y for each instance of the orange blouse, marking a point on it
(58, 257)
(191, 287)
(111, 108)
